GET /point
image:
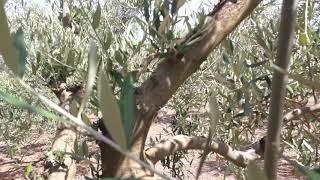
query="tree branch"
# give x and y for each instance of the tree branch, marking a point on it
(171, 72)
(240, 158)
(182, 142)
(301, 111)
(279, 83)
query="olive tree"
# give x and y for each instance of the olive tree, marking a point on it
(136, 73)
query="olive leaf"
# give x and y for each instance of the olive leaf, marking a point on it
(92, 71)
(110, 111)
(96, 17)
(15, 60)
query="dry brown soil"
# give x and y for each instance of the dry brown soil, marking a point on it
(215, 167)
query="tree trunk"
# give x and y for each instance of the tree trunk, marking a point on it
(110, 158)
(169, 75)
(64, 142)
(66, 135)
(65, 138)
(114, 163)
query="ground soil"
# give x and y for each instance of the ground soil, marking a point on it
(215, 167)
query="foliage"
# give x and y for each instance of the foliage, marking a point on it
(16, 123)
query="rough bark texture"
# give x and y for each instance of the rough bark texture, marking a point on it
(108, 154)
(64, 141)
(182, 142)
(170, 73)
(279, 83)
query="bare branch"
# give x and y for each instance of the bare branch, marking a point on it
(182, 142)
(279, 83)
(301, 111)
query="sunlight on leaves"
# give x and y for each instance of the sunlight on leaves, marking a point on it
(303, 39)
(29, 169)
